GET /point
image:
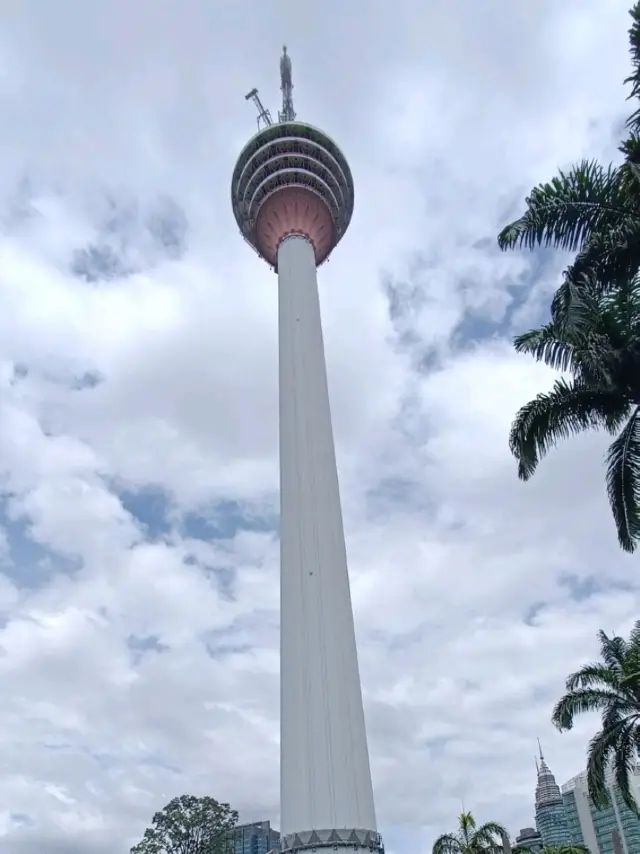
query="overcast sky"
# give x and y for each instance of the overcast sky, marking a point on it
(138, 406)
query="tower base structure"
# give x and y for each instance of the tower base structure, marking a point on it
(326, 790)
(356, 840)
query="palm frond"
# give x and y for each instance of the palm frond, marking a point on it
(448, 843)
(578, 701)
(565, 849)
(493, 827)
(563, 212)
(466, 825)
(613, 652)
(630, 147)
(466, 821)
(623, 762)
(623, 482)
(594, 675)
(602, 749)
(634, 636)
(576, 298)
(634, 46)
(545, 345)
(591, 335)
(577, 282)
(583, 308)
(634, 171)
(608, 259)
(568, 409)
(488, 834)
(470, 839)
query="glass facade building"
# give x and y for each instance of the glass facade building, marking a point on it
(603, 831)
(575, 822)
(529, 838)
(256, 838)
(551, 818)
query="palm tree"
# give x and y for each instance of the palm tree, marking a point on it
(470, 839)
(591, 209)
(596, 342)
(594, 331)
(610, 686)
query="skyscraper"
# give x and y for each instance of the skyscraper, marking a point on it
(577, 812)
(292, 195)
(600, 829)
(529, 838)
(256, 838)
(551, 819)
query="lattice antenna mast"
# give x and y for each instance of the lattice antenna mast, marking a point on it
(264, 116)
(287, 114)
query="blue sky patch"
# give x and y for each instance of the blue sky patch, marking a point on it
(140, 645)
(150, 507)
(224, 519)
(30, 565)
(130, 238)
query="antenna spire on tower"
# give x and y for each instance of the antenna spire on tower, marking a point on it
(264, 116)
(540, 749)
(287, 113)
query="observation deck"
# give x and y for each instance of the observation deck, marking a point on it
(291, 178)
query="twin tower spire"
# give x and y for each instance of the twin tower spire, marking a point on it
(547, 790)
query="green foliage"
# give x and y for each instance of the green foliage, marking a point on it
(610, 686)
(594, 331)
(470, 839)
(190, 825)
(633, 121)
(565, 211)
(596, 340)
(591, 209)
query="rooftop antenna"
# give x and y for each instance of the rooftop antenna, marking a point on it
(264, 116)
(287, 113)
(540, 749)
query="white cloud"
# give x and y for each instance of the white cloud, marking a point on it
(475, 594)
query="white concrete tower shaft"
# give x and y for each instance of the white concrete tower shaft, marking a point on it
(292, 194)
(325, 777)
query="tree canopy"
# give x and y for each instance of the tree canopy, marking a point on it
(610, 686)
(590, 209)
(471, 839)
(190, 825)
(593, 335)
(595, 342)
(552, 849)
